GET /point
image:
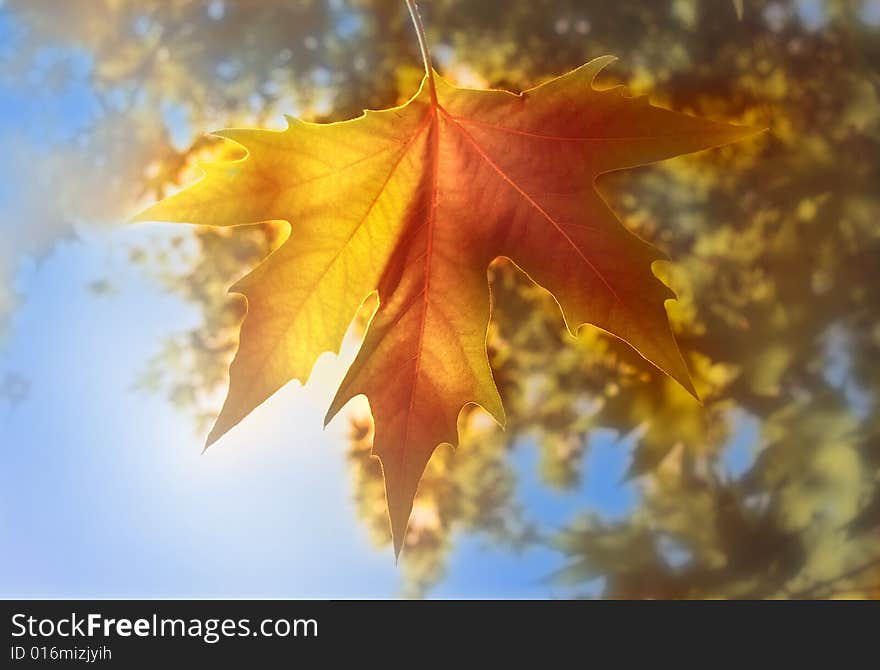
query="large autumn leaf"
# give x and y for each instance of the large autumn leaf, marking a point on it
(415, 202)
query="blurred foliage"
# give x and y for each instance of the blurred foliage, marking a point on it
(775, 246)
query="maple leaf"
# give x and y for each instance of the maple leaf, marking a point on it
(414, 203)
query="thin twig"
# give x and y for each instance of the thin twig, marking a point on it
(423, 46)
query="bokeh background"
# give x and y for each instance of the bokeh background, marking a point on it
(609, 482)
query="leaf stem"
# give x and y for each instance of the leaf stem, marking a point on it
(423, 46)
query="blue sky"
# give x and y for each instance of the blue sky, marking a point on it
(105, 491)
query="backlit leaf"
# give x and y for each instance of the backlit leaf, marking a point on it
(414, 203)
